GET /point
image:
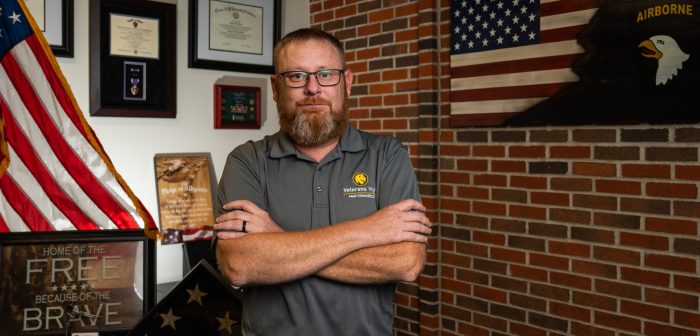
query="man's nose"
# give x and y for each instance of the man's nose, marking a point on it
(312, 86)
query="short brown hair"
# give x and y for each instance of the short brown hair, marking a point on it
(306, 34)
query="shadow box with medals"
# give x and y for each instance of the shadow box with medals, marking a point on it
(132, 58)
(64, 283)
(237, 106)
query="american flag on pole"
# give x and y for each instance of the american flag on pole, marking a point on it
(508, 55)
(54, 174)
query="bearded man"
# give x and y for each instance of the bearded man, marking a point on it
(317, 222)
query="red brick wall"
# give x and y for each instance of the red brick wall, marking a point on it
(585, 230)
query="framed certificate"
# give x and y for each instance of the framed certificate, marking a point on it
(132, 58)
(233, 35)
(237, 106)
(59, 283)
(55, 19)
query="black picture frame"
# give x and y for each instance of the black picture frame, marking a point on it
(202, 56)
(108, 79)
(63, 267)
(58, 26)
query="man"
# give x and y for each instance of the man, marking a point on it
(318, 221)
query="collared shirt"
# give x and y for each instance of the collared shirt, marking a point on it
(363, 174)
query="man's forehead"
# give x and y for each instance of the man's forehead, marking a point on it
(305, 52)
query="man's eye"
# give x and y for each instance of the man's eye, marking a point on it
(296, 76)
(325, 74)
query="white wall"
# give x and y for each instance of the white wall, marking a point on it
(131, 143)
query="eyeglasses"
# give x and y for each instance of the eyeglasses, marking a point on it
(297, 79)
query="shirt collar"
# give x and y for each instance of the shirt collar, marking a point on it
(350, 141)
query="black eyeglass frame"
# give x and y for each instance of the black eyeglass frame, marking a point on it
(308, 75)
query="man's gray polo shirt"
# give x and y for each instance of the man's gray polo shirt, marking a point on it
(363, 174)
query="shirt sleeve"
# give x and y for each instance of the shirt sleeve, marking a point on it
(398, 178)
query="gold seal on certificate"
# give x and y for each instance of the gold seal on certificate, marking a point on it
(235, 27)
(133, 36)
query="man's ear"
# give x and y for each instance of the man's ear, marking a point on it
(273, 82)
(348, 81)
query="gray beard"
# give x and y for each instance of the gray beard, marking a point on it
(306, 130)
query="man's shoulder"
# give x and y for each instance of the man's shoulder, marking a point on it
(380, 142)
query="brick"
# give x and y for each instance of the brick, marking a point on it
(673, 154)
(672, 190)
(490, 266)
(548, 167)
(618, 289)
(671, 299)
(594, 269)
(525, 329)
(472, 136)
(687, 246)
(645, 276)
(617, 255)
(645, 311)
(594, 135)
(570, 248)
(489, 294)
(489, 208)
(672, 263)
(550, 292)
(488, 238)
(527, 151)
(617, 220)
(548, 322)
(528, 273)
(690, 134)
(394, 49)
(524, 211)
(381, 64)
(527, 243)
(528, 302)
(547, 230)
(489, 151)
(578, 329)
(508, 312)
(616, 153)
(618, 187)
(507, 255)
(644, 135)
(686, 209)
(367, 6)
(671, 225)
(646, 170)
(570, 216)
(569, 152)
(645, 241)
(594, 169)
(406, 61)
(595, 202)
(684, 172)
(594, 301)
(549, 261)
(652, 328)
(570, 311)
(571, 184)
(528, 182)
(617, 321)
(570, 280)
(508, 283)
(490, 322)
(507, 225)
(508, 136)
(688, 319)
(357, 20)
(509, 195)
(491, 180)
(508, 166)
(648, 206)
(474, 193)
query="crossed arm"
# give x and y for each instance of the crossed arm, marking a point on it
(388, 245)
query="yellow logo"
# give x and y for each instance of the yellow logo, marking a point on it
(359, 179)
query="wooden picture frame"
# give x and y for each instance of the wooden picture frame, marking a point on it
(104, 279)
(55, 19)
(132, 59)
(186, 186)
(216, 43)
(237, 106)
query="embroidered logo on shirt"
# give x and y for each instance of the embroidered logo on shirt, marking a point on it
(360, 179)
(362, 190)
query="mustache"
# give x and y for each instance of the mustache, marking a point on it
(314, 101)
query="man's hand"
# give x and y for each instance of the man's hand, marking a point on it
(242, 212)
(404, 221)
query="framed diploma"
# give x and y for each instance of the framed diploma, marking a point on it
(55, 19)
(132, 58)
(233, 35)
(237, 106)
(60, 283)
